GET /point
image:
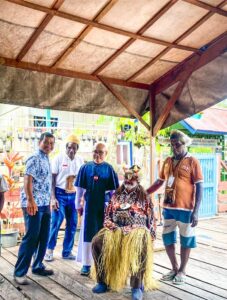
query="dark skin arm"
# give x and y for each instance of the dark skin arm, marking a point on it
(54, 201)
(1, 200)
(198, 198)
(31, 205)
(155, 186)
(79, 196)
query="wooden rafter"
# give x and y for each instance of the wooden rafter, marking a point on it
(204, 5)
(214, 49)
(199, 23)
(151, 62)
(141, 31)
(68, 73)
(152, 106)
(176, 94)
(161, 120)
(112, 57)
(98, 25)
(104, 10)
(196, 62)
(123, 101)
(152, 138)
(38, 31)
(179, 39)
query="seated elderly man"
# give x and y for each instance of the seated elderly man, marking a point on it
(124, 246)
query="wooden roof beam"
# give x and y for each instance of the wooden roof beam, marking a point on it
(162, 118)
(176, 94)
(123, 101)
(67, 73)
(214, 49)
(132, 40)
(104, 10)
(204, 5)
(178, 40)
(98, 25)
(38, 31)
(152, 106)
(199, 23)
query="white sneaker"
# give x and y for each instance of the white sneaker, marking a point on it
(21, 280)
(49, 256)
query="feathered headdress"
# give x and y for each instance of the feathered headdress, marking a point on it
(132, 172)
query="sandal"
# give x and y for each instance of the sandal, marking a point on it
(179, 279)
(169, 276)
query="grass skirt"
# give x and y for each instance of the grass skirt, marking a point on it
(123, 256)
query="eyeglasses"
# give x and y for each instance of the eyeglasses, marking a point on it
(176, 145)
(99, 152)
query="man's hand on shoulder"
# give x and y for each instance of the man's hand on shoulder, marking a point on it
(32, 207)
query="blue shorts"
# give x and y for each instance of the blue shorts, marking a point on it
(174, 218)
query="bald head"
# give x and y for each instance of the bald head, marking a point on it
(99, 153)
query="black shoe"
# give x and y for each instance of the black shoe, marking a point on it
(43, 272)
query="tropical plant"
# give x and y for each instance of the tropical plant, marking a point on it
(11, 208)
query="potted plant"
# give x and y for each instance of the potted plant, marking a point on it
(11, 209)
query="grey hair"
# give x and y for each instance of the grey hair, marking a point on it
(182, 137)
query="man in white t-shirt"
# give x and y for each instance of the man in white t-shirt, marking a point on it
(65, 168)
(3, 189)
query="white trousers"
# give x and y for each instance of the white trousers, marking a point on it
(84, 254)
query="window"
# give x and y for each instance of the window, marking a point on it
(124, 154)
(40, 121)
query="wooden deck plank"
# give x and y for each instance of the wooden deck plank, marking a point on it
(193, 290)
(164, 289)
(39, 287)
(219, 229)
(73, 269)
(214, 293)
(7, 289)
(210, 258)
(212, 236)
(207, 272)
(65, 276)
(203, 272)
(215, 224)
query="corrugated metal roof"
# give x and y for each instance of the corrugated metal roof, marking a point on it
(212, 121)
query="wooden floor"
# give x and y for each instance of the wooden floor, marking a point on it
(207, 273)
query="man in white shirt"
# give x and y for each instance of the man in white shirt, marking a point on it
(3, 189)
(65, 168)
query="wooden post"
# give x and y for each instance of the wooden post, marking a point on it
(152, 159)
(152, 138)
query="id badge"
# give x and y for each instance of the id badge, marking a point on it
(170, 181)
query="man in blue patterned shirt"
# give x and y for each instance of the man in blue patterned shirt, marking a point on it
(35, 202)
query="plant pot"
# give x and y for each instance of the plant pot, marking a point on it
(9, 237)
